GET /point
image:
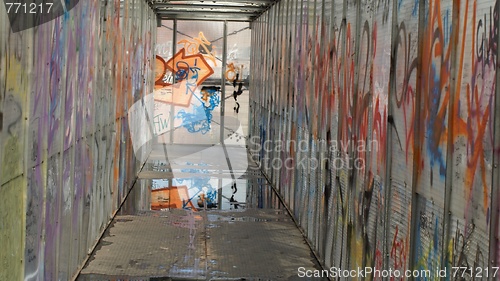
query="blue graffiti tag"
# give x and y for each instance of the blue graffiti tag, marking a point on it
(200, 119)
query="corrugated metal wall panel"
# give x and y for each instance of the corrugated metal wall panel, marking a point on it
(401, 134)
(392, 213)
(473, 135)
(60, 138)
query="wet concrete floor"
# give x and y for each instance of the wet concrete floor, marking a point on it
(200, 213)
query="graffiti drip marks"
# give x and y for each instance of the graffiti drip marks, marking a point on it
(12, 114)
(234, 75)
(417, 76)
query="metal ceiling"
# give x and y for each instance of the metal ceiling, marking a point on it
(236, 10)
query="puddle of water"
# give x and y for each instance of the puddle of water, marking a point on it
(199, 177)
(221, 218)
(202, 192)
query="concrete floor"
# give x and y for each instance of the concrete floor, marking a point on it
(246, 235)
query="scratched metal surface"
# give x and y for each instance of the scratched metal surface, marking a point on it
(415, 81)
(261, 244)
(65, 152)
(253, 238)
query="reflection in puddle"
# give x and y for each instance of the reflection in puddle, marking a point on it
(205, 189)
(175, 197)
(194, 178)
(197, 194)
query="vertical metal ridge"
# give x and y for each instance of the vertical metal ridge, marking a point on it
(389, 136)
(495, 186)
(223, 83)
(416, 130)
(449, 142)
(172, 107)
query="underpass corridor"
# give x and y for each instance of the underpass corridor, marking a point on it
(243, 232)
(249, 140)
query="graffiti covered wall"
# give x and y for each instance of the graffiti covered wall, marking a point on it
(67, 161)
(375, 120)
